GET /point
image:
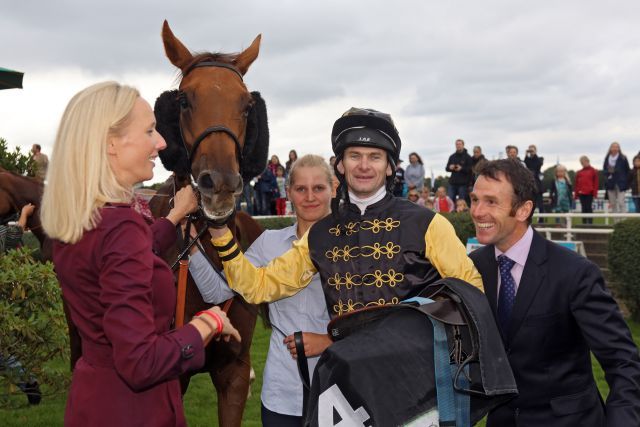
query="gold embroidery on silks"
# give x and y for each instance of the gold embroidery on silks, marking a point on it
(346, 253)
(378, 279)
(377, 225)
(341, 307)
(377, 250)
(350, 228)
(348, 281)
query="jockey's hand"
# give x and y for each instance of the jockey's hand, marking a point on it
(184, 203)
(314, 344)
(218, 232)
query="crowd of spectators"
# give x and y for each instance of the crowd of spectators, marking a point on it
(266, 195)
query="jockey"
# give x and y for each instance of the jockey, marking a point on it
(374, 249)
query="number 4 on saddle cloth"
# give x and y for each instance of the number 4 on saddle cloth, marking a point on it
(435, 364)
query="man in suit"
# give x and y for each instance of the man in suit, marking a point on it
(552, 308)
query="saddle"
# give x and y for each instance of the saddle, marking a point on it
(433, 360)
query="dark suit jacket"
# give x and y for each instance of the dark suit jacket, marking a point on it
(562, 311)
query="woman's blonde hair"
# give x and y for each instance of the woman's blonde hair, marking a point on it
(79, 179)
(310, 161)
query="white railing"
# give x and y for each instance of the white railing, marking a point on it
(568, 228)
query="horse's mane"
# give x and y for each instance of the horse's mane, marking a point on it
(227, 58)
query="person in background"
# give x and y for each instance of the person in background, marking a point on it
(634, 182)
(616, 170)
(399, 182)
(554, 314)
(309, 189)
(561, 191)
(41, 160)
(265, 188)
(11, 234)
(459, 165)
(281, 199)
(273, 164)
(293, 156)
(586, 187)
(477, 160)
(120, 294)
(512, 153)
(11, 238)
(413, 196)
(443, 203)
(461, 206)
(425, 195)
(414, 173)
(534, 163)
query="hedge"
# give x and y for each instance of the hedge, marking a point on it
(624, 250)
(32, 326)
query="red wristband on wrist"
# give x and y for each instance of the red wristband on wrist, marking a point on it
(215, 317)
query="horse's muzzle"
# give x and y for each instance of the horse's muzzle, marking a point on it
(218, 192)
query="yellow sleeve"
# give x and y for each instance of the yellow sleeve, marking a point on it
(284, 276)
(448, 255)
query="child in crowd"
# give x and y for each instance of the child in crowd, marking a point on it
(461, 206)
(443, 203)
(561, 191)
(413, 196)
(281, 199)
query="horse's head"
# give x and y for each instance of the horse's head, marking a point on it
(215, 128)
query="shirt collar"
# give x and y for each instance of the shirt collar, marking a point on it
(362, 204)
(520, 250)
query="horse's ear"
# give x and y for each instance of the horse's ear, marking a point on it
(167, 110)
(177, 53)
(256, 140)
(247, 56)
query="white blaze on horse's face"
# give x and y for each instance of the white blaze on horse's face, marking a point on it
(213, 119)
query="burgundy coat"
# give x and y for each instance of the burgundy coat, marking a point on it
(122, 299)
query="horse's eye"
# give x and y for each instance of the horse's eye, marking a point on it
(183, 101)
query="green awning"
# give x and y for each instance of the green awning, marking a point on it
(10, 79)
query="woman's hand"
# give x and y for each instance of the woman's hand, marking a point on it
(314, 344)
(184, 203)
(228, 330)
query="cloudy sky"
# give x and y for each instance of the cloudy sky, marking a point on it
(562, 75)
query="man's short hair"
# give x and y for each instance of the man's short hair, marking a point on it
(37, 147)
(509, 147)
(520, 178)
(461, 140)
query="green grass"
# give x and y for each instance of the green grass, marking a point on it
(200, 400)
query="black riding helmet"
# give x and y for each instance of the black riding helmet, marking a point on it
(367, 128)
(363, 127)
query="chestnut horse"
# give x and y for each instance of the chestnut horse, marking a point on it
(217, 137)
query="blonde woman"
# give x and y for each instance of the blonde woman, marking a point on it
(309, 188)
(120, 294)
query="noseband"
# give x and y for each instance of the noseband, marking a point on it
(215, 128)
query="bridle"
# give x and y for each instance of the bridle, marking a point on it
(214, 128)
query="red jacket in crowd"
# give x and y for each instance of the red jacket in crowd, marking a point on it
(586, 182)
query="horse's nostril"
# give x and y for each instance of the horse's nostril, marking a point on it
(205, 181)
